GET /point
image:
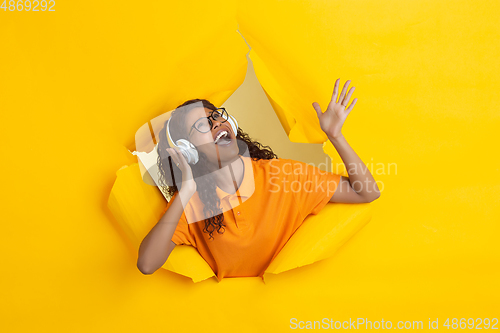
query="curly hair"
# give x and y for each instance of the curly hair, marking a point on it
(172, 181)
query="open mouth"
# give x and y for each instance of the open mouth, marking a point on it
(223, 138)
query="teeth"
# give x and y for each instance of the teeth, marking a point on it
(221, 134)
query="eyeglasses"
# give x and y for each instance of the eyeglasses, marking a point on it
(204, 126)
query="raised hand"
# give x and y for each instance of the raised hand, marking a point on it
(333, 118)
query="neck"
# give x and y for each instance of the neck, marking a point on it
(230, 175)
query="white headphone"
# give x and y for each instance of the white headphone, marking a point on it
(187, 148)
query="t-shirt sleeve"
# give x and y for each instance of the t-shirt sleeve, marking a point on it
(312, 187)
(182, 234)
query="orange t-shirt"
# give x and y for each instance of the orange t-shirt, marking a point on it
(259, 218)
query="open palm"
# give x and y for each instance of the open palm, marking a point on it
(333, 118)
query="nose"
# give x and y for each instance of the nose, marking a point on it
(214, 122)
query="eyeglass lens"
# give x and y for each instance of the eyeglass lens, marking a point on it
(204, 125)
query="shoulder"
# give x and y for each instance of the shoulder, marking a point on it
(283, 163)
(282, 167)
(273, 162)
(272, 165)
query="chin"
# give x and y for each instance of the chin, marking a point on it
(228, 153)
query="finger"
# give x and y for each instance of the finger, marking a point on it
(182, 160)
(179, 158)
(348, 97)
(318, 109)
(335, 91)
(342, 94)
(173, 155)
(351, 106)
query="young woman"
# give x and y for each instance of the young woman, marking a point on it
(241, 190)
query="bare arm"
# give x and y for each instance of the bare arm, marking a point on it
(157, 245)
(360, 186)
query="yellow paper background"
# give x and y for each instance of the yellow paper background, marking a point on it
(75, 84)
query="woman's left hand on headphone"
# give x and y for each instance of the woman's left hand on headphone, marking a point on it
(333, 118)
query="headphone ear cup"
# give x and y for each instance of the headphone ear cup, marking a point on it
(188, 150)
(234, 124)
